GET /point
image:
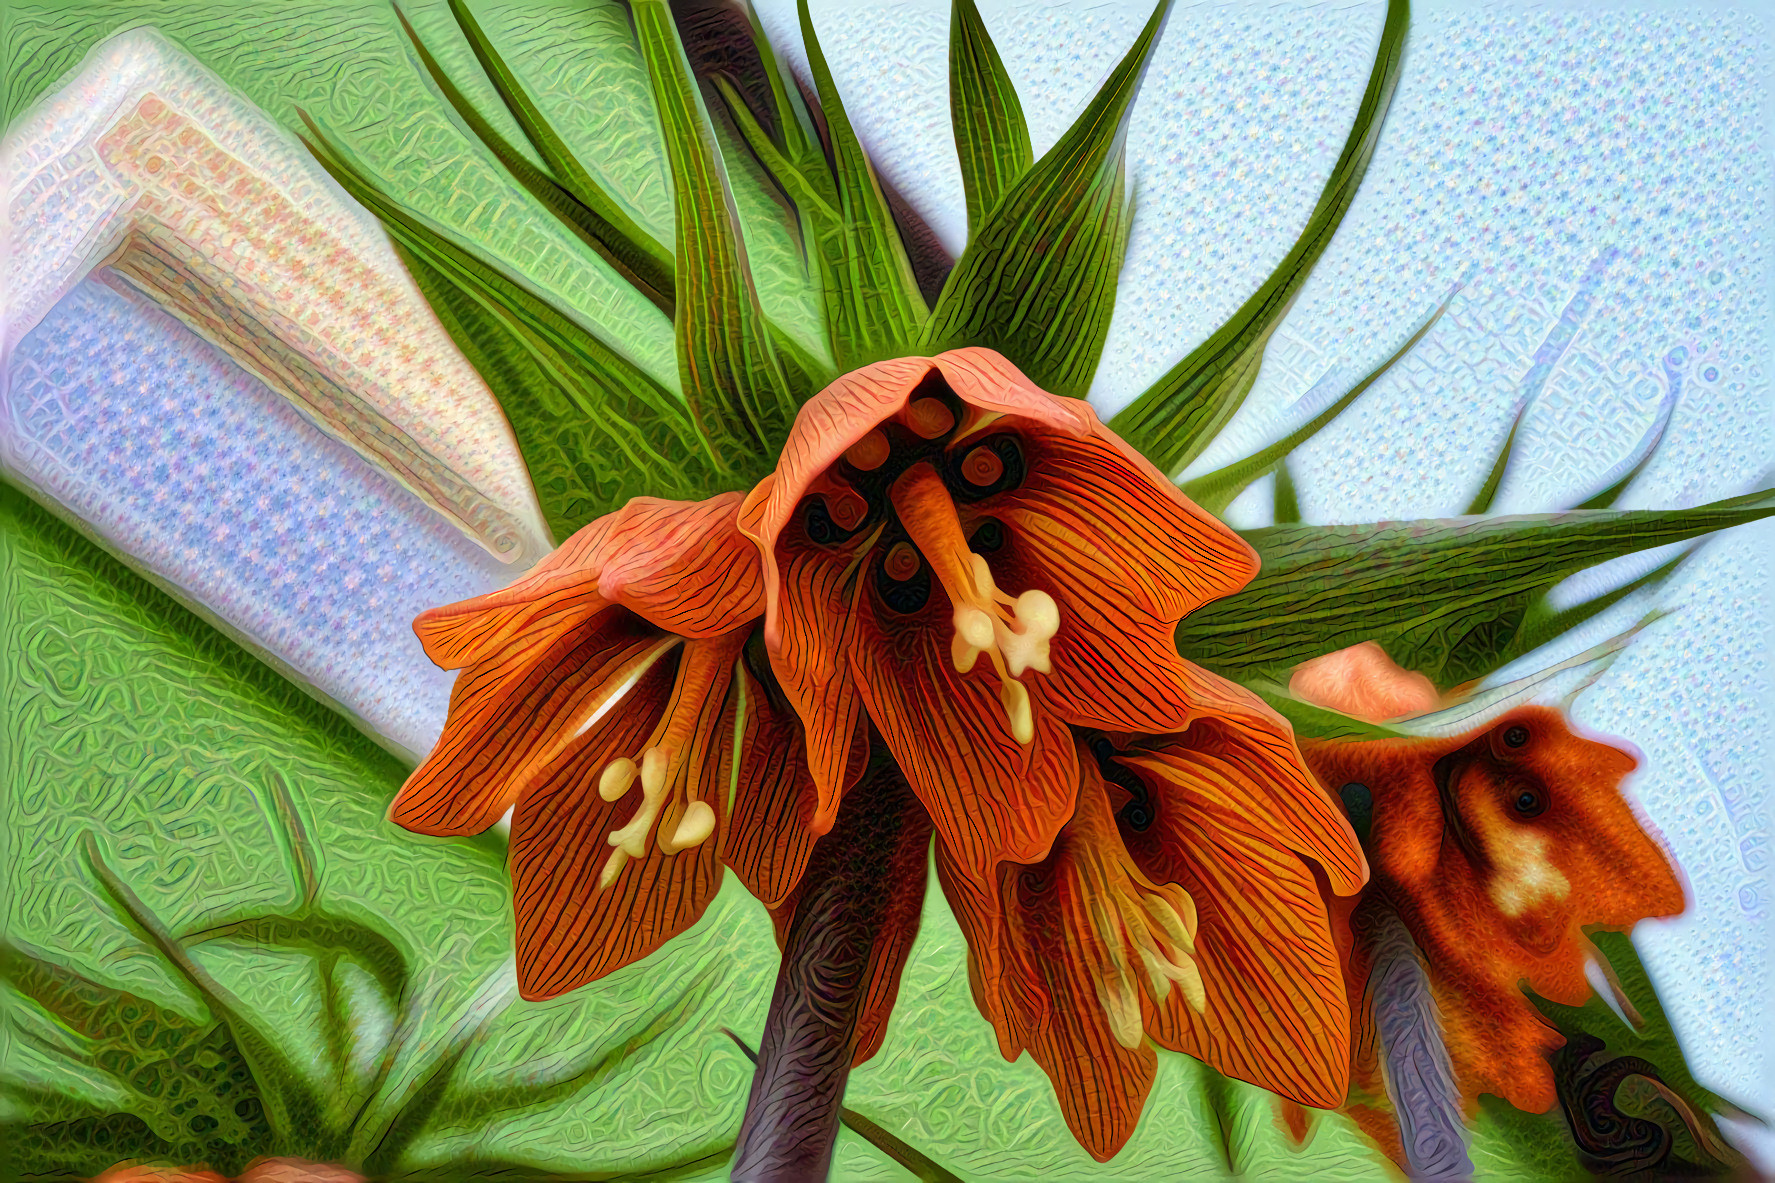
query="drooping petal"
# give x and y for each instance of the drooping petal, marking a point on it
(990, 796)
(819, 595)
(1261, 774)
(680, 564)
(1276, 1013)
(512, 706)
(1115, 533)
(1085, 946)
(586, 907)
(770, 833)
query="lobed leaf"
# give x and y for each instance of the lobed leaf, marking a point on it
(1448, 598)
(1175, 418)
(1038, 280)
(732, 379)
(991, 136)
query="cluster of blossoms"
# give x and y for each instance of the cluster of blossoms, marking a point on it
(956, 571)
(975, 575)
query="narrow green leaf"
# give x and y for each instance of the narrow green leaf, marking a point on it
(1542, 624)
(803, 187)
(991, 137)
(1443, 597)
(1286, 511)
(594, 428)
(1488, 492)
(1216, 490)
(732, 379)
(611, 234)
(291, 1108)
(1316, 722)
(1180, 413)
(1619, 476)
(1038, 280)
(873, 306)
(641, 259)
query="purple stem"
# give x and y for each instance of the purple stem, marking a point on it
(879, 840)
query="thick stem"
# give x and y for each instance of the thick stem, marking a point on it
(850, 895)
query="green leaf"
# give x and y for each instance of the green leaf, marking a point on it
(1542, 623)
(291, 1107)
(1488, 491)
(732, 379)
(1447, 598)
(1180, 413)
(572, 195)
(991, 137)
(1216, 490)
(1038, 280)
(1286, 510)
(191, 1093)
(594, 428)
(873, 306)
(1643, 1049)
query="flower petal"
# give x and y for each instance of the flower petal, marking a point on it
(770, 833)
(570, 930)
(1276, 1014)
(510, 707)
(991, 797)
(1111, 531)
(1248, 753)
(1364, 683)
(681, 564)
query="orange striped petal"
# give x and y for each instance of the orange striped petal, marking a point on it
(511, 707)
(1116, 534)
(571, 930)
(1247, 753)
(1073, 932)
(770, 834)
(991, 797)
(1276, 1014)
(680, 564)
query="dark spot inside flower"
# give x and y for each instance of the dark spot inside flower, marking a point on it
(903, 579)
(992, 466)
(1358, 801)
(987, 537)
(1139, 813)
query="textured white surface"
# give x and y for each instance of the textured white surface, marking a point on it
(1615, 152)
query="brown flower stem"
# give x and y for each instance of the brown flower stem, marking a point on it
(852, 891)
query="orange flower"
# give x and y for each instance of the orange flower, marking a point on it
(621, 823)
(1496, 848)
(978, 564)
(929, 513)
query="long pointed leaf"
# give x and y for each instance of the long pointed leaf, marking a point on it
(1488, 491)
(1542, 624)
(1216, 490)
(593, 427)
(291, 1108)
(732, 379)
(639, 254)
(1038, 280)
(1443, 597)
(873, 306)
(1625, 472)
(991, 136)
(1180, 413)
(615, 237)
(1286, 511)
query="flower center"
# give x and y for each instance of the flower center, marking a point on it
(1013, 631)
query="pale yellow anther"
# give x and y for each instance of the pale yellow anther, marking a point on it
(618, 776)
(1179, 929)
(696, 825)
(974, 635)
(1013, 632)
(632, 838)
(612, 868)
